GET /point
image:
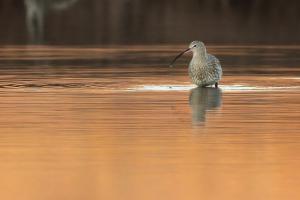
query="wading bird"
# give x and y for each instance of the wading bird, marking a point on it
(204, 69)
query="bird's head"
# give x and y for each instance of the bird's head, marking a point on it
(195, 46)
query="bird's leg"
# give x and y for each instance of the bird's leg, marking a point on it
(216, 85)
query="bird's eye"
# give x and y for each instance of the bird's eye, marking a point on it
(194, 45)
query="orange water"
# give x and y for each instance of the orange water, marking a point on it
(117, 123)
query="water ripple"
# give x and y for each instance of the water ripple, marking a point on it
(225, 88)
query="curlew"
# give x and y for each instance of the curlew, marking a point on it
(204, 69)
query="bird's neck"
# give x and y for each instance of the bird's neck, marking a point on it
(200, 56)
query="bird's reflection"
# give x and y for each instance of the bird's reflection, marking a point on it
(202, 100)
(35, 14)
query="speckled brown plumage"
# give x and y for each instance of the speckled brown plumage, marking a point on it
(204, 69)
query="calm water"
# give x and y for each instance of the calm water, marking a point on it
(117, 123)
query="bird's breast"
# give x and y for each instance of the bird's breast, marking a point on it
(202, 74)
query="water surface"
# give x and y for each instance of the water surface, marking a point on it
(118, 123)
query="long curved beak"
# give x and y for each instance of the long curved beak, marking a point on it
(171, 65)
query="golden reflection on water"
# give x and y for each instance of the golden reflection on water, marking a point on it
(74, 130)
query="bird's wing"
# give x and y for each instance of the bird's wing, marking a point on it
(214, 64)
(212, 60)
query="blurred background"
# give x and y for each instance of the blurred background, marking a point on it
(93, 22)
